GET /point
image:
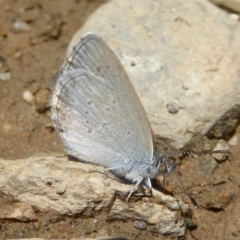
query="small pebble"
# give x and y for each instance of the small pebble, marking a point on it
(172, 107)
(221, 145)
(234, 16)
(133, 63)
(20, 26)
(42, 100)
(216, 199)
(191, 224)
(17, 55)
(2, 59)
(27, 96)
(61, 189)
(140, 225)
(5, 76)
(208, 165)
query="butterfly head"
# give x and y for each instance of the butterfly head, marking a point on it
(163, 161)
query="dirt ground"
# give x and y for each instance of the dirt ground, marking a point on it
(34, 35)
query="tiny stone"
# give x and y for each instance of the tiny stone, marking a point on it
(191, 224)
(17, 55)
(172, 107)
(5, 76)
(234, 16)
(27, 96)
(133, 63)
(61, 189)
(234, 234)
(31, 81)
(216, 200)
(208, 165)
(221, 145)
(140, 225)
(20, 26)
(42, 100)
(2, 59)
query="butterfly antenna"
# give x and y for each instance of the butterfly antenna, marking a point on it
(185, 153)
(179, 179)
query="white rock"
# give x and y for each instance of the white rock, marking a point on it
(234, 16)
(5, 76)
(87, 191)
(221, 145)
(176, 59)
(28, 96)
(20, 26)
(159, 217)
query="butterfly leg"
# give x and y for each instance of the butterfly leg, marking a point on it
(134, 188)
(149, 185)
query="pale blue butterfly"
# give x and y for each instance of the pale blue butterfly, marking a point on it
(100, 117)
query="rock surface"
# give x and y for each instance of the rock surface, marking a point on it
(75, 188)
(199, 74)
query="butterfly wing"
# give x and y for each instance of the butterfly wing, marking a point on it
(97, 110)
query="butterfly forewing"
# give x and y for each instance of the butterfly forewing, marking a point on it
(97, 110)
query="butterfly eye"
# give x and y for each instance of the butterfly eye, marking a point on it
(164, 165)
(162, 168)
